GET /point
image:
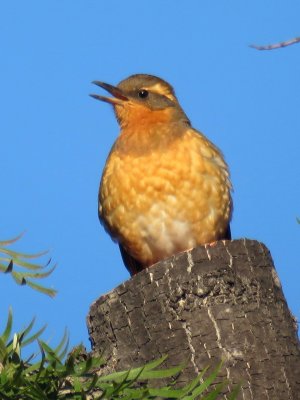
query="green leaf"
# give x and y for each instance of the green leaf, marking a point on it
(11, 241)
(63, 345)
(3, 351)
(26, 264)
(155, 363)
(121, 385)
(39, 275)
(142, 393)
(49, 352)
(116, 376)
(207, 382)
(19, 278)
(13, 261)
(235, 392)
(33, 337)
(17, 255)
(215, 393)
(165, 373)
(7, 331)
(167, 393)
(77, 385)
(3, 267)
(191, 386)
(42, 289)
(83, 367)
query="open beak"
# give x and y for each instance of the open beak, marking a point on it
(118, 98)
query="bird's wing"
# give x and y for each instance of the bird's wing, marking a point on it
(227, 234)
(132, 265)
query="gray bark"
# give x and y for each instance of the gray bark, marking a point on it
(201, 306)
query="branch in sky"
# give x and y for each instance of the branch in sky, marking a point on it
(276, 45)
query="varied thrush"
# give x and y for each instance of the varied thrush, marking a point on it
(165, 187)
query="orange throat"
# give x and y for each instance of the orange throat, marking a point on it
(143, 130)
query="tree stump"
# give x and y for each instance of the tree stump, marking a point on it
(211, 303)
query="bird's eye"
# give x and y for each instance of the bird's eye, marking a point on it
(143, 93)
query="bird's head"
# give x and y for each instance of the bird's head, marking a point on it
(142, 100)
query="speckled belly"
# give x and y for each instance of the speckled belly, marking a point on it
(159, 204)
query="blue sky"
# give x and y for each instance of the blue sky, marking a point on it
(55, 138)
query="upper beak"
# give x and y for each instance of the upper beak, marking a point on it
(118, 98)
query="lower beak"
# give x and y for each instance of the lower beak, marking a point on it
(118, 98)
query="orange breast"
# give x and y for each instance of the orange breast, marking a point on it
(159, 200)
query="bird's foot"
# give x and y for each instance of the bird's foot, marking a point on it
(211, 244)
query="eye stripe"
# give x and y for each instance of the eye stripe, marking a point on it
(162, 90)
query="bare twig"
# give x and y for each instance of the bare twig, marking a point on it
(276, 45)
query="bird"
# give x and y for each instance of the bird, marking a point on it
(165, 187)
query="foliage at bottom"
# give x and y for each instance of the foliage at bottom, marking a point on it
(55, 376)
